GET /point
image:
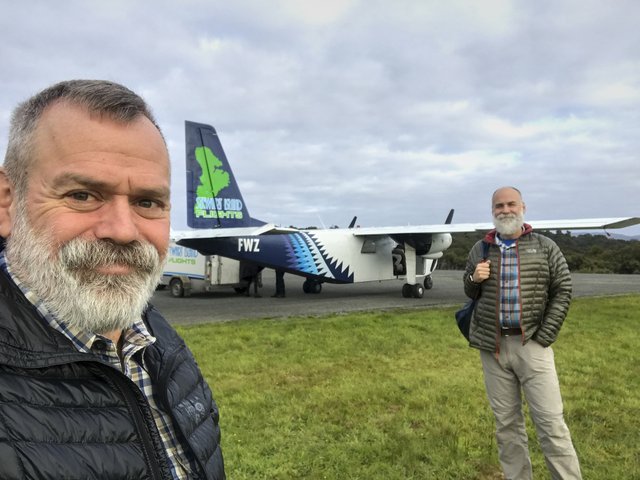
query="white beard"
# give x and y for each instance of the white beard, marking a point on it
(508, 223)
(68, 284)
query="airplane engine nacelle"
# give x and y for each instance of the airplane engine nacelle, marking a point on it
(439, 243)
(427, 245)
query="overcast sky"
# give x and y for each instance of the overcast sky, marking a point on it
(394, 111)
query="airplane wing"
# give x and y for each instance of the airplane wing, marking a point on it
(585, 223)
(266, 229)
(572, 224)
(272, 229)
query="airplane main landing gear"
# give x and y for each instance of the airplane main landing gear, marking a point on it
(311, 286)
(415, 291)
(428, 282)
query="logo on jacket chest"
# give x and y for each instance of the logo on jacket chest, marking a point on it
(196, 408)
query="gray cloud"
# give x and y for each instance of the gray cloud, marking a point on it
(392, 111)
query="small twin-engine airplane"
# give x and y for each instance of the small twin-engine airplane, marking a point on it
(215, 208)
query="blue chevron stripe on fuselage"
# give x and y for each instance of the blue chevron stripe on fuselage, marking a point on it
(298, 253)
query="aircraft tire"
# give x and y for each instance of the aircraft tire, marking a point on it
(407, 291)
(176, 288)
(311, 286)
(418, 290)
(428, 282)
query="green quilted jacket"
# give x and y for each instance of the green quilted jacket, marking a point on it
(545, 291)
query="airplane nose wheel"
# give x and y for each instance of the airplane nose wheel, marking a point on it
(415, 291)
(428, 282)
(311, 286)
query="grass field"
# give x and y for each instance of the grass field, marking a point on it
(400, 395)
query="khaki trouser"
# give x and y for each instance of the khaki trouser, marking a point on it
(531, 369)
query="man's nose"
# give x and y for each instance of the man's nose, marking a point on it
(117, 222)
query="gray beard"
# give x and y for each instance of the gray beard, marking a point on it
(67, 283)
(508, 223)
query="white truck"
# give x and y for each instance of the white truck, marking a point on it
(187, 272)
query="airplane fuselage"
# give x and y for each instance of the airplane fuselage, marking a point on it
(334, 256)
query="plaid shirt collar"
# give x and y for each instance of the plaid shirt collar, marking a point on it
(505, 243)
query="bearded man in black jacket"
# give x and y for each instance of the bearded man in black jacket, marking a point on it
(94, 383)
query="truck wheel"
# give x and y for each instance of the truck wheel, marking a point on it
(177, 289)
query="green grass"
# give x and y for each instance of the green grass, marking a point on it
(399, 395)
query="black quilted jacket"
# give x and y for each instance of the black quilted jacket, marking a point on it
(66, 415)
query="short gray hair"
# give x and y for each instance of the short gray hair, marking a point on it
(101, 97)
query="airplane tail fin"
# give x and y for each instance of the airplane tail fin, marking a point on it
(213, 196)
(449, 218)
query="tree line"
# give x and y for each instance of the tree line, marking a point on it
(584, 253)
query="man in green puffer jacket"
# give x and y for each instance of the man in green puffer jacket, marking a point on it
(525, 291)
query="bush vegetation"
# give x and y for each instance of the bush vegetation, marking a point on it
(584, 253)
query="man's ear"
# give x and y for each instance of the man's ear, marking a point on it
(6, 202)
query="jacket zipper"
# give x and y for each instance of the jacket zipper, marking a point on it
(164, 398)
(140, 424)
(520, 293)
(498, 333)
